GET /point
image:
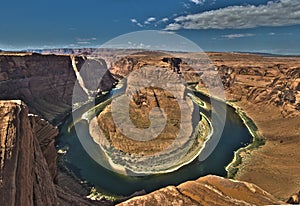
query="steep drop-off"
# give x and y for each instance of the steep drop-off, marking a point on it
(28, 160)
(44, 82)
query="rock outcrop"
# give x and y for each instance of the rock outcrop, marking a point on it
(25, 178)
(27, 160)
(149, 129)
(294, 199)
(208, 190)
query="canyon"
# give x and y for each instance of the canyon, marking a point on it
(265, 88)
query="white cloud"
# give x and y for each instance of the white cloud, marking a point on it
(213, 2)
(136, 22)
(173, 26)
(278, 13)
(166, 32)
(133, 20)
(149, 20)
(165, 20)
(198, 1)
(186, 5)
(86, 39)
(83, 42)
(271, 33)
(234, 36)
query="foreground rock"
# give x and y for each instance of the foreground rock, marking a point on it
(27, 163)
(209, 190)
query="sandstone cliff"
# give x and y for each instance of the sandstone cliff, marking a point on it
(27, 158)
(44, 82)
(208, 190)
(25, 177)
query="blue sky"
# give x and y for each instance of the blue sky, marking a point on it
(215, 25)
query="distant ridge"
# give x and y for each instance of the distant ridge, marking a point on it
(267, 54)
(91, 50)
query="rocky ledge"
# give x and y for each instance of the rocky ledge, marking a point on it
(208, 190)
(28, 161)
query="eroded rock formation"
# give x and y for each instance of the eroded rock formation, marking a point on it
(25, 177)
(27, 160)
(208, 190)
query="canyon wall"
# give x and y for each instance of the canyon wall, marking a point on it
(44, 82)
(28, 157)
(24, 174)
(267, 90)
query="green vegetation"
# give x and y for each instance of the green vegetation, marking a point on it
(258, 141)
(95, 111)
(96, 195)
(198, 101)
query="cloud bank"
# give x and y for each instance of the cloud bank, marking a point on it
(278, 13)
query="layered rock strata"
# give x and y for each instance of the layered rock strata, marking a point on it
(208, 190)
(27, 161)
(266, 89)
(44, 82)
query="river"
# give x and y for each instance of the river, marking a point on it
(234, 136)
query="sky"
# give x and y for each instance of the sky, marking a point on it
(214, 25)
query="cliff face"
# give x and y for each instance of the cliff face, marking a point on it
(24, 174)
(209, 190)
(44, 82)
(27, 161)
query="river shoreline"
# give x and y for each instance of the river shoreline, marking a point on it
(257, 141)
(186, 163)
(190, 157)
